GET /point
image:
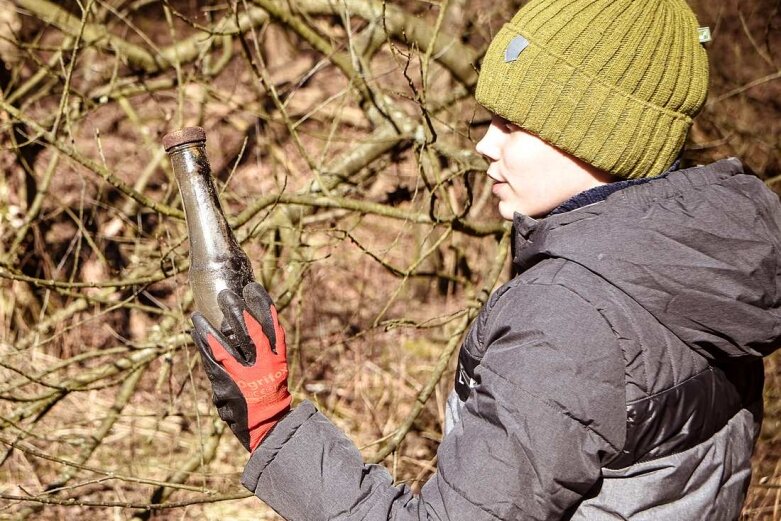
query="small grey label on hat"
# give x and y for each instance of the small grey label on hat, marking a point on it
(704, 34)
(515, 48)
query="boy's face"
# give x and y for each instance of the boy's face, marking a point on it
(532, 177)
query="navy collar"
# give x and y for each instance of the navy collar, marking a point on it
(600, 193)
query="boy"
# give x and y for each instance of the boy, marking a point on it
(618, 375)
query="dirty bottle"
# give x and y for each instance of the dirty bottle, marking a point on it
(217, 262)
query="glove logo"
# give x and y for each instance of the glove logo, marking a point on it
(258, 390)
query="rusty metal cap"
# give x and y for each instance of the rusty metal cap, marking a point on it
(182, 136)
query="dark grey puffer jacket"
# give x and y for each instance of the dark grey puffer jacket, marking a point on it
(617, 376)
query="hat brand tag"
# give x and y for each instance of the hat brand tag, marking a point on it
(704, 34)
(515, 48)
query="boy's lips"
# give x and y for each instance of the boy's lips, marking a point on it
(493, 176)
(497, 186)
(498, 182)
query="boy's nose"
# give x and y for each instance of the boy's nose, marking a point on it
(489, 145)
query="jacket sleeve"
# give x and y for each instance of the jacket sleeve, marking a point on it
(546, 411)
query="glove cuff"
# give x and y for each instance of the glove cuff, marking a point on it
(272, 414)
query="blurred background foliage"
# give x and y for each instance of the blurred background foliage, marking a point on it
(341, 135)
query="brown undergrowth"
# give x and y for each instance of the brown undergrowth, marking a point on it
(341, 134)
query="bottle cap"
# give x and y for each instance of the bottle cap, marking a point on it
(182, 136)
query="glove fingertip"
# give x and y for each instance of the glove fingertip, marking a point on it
(200, 328)
(255, 295)
(199, 321)
(259, 333)
(227, 296)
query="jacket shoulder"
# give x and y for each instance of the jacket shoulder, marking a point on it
(543, 298)
(545, 340)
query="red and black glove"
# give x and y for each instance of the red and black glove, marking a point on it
(246, 363)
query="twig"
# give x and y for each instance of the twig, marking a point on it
(93, 34)
(38, 378)
(69, 72)
(367, 207)
(748, 86)
(93, 166)
(34, 210)
(453, 343)
(197, 460)
(458, 58)
(76, 502)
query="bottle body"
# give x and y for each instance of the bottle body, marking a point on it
(217, 262)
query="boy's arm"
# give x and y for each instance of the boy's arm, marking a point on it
(547, 410)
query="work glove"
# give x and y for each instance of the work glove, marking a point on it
(246, 363)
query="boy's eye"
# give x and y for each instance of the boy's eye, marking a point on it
(505, 125)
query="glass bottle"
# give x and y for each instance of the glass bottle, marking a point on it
(217, 262)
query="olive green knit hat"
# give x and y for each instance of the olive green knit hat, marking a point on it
(613, 82)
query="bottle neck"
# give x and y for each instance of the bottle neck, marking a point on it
(211, 238)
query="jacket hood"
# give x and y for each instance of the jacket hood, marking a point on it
(699, 249)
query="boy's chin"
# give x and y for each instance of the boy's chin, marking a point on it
(508, 211)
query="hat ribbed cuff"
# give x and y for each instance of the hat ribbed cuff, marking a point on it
(578, 113)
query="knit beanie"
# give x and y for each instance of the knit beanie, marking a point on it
(612, 82)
